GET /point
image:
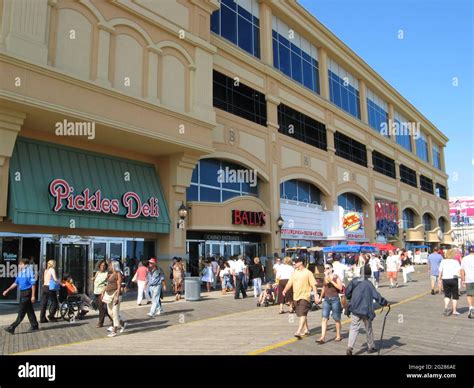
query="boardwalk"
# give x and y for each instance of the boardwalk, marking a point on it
(220, 325)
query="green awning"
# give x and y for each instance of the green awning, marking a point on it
(35, 164)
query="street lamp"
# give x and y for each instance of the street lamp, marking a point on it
(182, 213)
(280, 221)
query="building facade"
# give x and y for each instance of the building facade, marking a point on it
(115, 113)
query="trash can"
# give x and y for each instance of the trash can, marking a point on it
(192, 288)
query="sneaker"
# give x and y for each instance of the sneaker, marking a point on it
(372, 350)
(110, 328)
(150, 314)
(349, 352)
(112, 334)
(471, 314)
(123, 327)
(432, 292)
(456, 313)
(446, 312)
(396, 285)
(159, 312)
(258, 304)
(9, 330)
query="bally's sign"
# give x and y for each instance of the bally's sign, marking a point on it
(65, 198)
(243, 217)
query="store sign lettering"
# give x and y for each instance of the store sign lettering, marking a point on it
(304, 233)
(64, 198)
(242, 217)
(386, 216)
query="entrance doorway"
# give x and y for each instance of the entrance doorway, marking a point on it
(74, 262)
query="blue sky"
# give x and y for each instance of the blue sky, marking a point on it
(437, 45)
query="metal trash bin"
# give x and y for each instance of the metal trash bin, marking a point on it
(192, 288)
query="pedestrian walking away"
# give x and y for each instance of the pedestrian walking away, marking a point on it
(26, 282)
(256, 274)
(434, 260)
(301, 282)
(449, 273)
(375, 266)
(239, 268)
(283, 275)
(100, 283)
(49, 292)
(467, 277)
(140, 278)
(208, 275)
(156, 282)
(178, 278)
(361, 294)
(407, 267)
(332, 286)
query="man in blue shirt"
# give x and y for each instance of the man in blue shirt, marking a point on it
(156, 282)
(26, 282)
(434, 260)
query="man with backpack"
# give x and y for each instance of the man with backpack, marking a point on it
(361, 293)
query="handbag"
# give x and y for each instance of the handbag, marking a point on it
(53, 285)
(107, 298)
(409, 269)
(134, 279)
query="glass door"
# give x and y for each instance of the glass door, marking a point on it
(74, 262)
(9, 256)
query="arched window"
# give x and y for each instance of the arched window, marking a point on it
(300, 191)
(408, 219)
(442, 224)
(216, 180)
(427, 221)
(349, 201)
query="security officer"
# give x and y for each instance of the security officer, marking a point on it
(26, 282)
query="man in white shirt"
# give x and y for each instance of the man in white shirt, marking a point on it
(238, 271)
(467, 277)
(338, 268)
(276, 265)
(393, 267)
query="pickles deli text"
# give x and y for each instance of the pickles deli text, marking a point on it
(64, 197)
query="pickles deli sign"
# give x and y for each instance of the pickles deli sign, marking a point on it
(243, 217)
(96, 202)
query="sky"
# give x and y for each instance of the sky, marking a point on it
(436, 50)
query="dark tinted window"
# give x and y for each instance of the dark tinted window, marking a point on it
(408, 176)
(441, 191)
(426, 184)
(350, 149)
(383, 164)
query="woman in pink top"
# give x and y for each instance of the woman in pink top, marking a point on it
(140, 277)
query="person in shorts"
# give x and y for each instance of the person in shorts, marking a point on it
(302, 281)
(393, 267)
(332, 286)
(434, 260)
(449, 273)
(467, 277)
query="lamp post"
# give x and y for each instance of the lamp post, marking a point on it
(182, 213)
(280, 221)
(404, 237)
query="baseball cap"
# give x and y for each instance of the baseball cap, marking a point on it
(153, 261)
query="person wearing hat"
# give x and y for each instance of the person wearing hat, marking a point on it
(449, 273)
(156, 282)
(302, 282)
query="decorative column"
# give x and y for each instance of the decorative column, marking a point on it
(152, 86)
(266, 39)
(28, 29)
(323, 73)
(10, 124)
(364, 116)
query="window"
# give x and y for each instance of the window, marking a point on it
(300, 191)
(426, 184)
(403, 131)
(408, 176)
(349, 201)
(301, 127)
(350, 149)
(217, 181)
(343, 89)
(237, 21)
(295, 56)
(442, 224)
(436, 156)
(240, 100)
(422, 147)
(383, 164)
(427, 221)
(441, 191)
(377, 113)
(408, 219)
